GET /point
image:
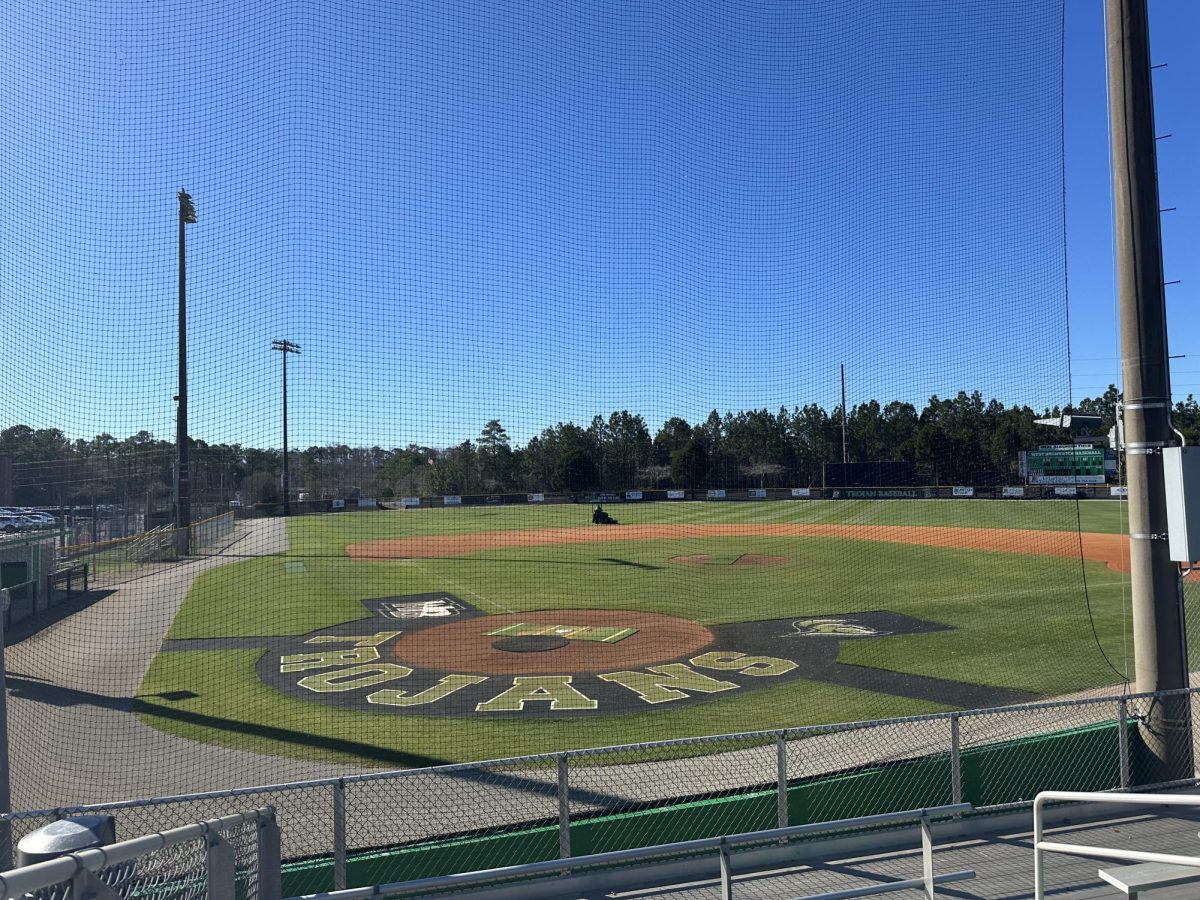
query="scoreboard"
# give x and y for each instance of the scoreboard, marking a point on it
(1066, 464)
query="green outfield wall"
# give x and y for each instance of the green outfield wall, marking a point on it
(1078, 759)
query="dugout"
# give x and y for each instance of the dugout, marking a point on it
(881, 473)
(24, 564)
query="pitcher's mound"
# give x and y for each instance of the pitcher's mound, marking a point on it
(697, 560)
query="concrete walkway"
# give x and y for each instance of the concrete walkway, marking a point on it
(72, 736)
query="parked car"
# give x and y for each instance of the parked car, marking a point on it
(10, 523)
(40, 519)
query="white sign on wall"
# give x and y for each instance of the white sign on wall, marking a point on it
(964, 492)
(1118, 491)
(1014, 492)
(537, 498)
(339, 504)
(716, 494)
(801, 492)
(452, 500)
(406, 502)
(1065, 492)
(633, 495)
(758, 493)
(676, 495)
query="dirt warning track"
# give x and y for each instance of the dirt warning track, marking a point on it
(1110, 549)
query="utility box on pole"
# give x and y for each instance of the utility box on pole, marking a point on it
(1181, 469)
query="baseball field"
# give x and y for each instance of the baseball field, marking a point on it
(398, 638)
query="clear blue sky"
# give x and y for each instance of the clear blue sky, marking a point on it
(471, 209)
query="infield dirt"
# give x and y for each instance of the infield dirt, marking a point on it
(1110, 549)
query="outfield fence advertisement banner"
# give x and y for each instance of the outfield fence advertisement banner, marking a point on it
(517, 275)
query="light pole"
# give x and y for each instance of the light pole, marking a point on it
(183, 495)
(284, 348)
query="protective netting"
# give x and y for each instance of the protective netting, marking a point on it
(779, 287)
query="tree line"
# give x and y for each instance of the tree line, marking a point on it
(958, 440)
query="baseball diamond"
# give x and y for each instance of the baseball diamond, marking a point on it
(661, 626)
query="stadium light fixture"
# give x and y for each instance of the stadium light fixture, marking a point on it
(284, 348)
(183, 494)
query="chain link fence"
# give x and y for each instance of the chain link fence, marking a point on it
(235, 857)
(376, 828)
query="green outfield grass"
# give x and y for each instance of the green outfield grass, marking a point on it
(1018, 622)
(318, 534)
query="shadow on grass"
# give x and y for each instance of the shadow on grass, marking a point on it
(627, 562)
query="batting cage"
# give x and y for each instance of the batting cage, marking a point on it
(402, 384)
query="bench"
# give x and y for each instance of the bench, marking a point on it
(68, 575)
(1147, 876)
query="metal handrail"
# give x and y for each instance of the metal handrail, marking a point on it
(721, 844)
(1040, 846)
(26, 880)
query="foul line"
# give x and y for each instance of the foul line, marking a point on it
(461, 589)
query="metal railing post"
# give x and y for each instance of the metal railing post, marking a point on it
(927, 856)
(726, 875)
(86, 884)
(1039, 873)
(222, 867)
(564, 808)
(955, 760)
(339, 835)
(270, 874)
(781, 776)
(1123, 740)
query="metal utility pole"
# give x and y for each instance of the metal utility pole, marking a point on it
(284, 348)
(6, 847)
(1159, 644)
(845, 455)
(183, 490)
